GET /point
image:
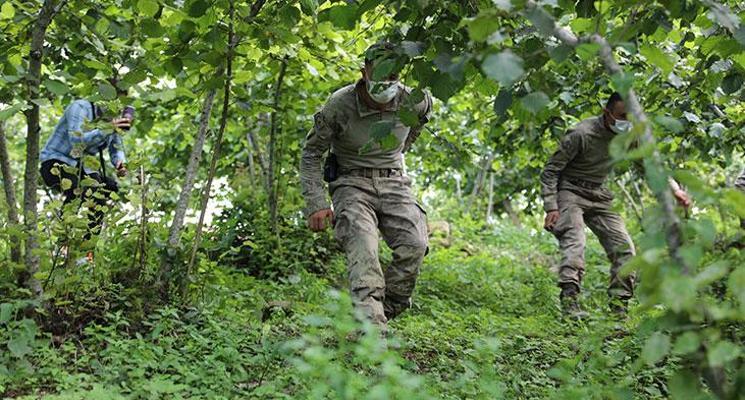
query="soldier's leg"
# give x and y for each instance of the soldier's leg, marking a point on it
(610, 229)
(357, 232)
(403, 224)
(570, 232)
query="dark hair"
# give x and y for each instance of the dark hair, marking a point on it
(120, 89)
(614, 98)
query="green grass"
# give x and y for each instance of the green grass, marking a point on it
(485, 325)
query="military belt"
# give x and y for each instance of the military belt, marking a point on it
(373, 172)
(584, 184)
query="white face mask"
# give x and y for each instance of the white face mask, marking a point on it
(382, 91)
(621, 126)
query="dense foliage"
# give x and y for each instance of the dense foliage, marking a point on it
(249, 304)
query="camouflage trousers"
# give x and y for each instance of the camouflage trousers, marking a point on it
(592, 207)
(363, 205)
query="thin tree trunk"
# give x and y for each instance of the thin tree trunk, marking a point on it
(141, 251)
(490, 203)
(458, 191)
(479, 181)
(272, 195)
(251, 163)
(10, 198)
(216, 153)
(507, 205)
(174, 234)
(33, 81)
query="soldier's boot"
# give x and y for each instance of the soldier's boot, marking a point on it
(570, 307)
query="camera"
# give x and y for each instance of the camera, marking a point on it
(128, 113)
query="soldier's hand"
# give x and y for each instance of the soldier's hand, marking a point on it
(682, 198)
(552, 217)
(121, 123)
(317, 221)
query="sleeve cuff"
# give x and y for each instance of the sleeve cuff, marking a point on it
(119, 156)
(314, 206)
(550, 204)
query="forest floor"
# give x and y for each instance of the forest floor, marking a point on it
(485, 324)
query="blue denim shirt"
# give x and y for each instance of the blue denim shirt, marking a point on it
(69, 143)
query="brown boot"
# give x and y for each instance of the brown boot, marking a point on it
(570, 307)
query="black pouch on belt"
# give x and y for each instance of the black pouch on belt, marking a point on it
(330, 168)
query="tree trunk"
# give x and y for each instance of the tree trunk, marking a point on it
(10, 198)
(507, 205)
(272, 194)
(490, 203)
(479, 181)
(184, 285)
(251, 163)
(33, 81)
(182, 205)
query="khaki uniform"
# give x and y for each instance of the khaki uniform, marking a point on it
(573, 183)
(371, 194)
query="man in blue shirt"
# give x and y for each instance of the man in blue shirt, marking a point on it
(61, 165)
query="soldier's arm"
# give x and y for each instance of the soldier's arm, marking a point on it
(317, 143)
(566, 152)
(116, 150)
(424, 110)
(76, 115)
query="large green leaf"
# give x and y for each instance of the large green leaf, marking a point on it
(535, 102)
(148, 7)
(657, 57)
(504, 67)
(656, 348)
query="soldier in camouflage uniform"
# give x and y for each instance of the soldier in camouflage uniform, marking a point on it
(371, 192)
(574, 194)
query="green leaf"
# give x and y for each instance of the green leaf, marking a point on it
(6, 312)
(535, 102)
(671, 124)
(656, 348)
(481, 27)
(732, 83)
(18, 345)
(198, 8)
(502, 102)
(504, 67)
(66, 184)
(7, 11)
(309, 6)
(588, 51)
(148, 7)
(56, 87)
(722, 353)
(412, 49)
(10, 111)
(342, 16)
(657, 57)
(107, 91)
(622, 82)
(687, 343)
(542, 20)
(408, 116)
